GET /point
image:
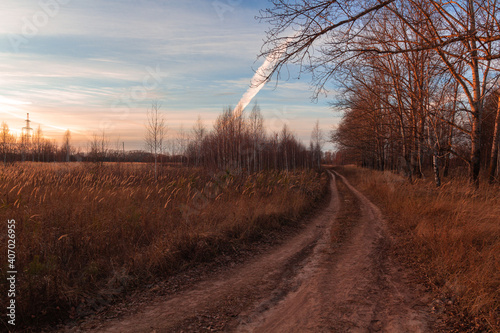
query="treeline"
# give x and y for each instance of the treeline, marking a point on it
(411, 108)
(241, 142)
(404, 113)
(418, 76)
(236, 142)
(33, 148)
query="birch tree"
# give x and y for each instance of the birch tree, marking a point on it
(38, 142)
(464, 34)
(99, 146)
(155, 133)
(257, 135)
(6, 140)
(199, 132)
(492, 168)
(67, 145)
(316, 144)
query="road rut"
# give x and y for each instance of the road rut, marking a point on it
(307, 284)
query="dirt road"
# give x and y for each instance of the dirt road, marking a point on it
(310, 283)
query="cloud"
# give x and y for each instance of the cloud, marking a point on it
(10, 101)
(88, 65)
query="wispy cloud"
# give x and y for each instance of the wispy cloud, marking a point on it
(10, 101)
(90, 64)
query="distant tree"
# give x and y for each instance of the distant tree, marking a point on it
(99, 147)
(222, 135)
(240, 144)
(199, 132)
(6, 140)
(48, 150)
(285, 138)
(38, 142)
(316, 144)
(257, 135)
(155, 132)
(182, 142)
(67, 144)
(119, 149)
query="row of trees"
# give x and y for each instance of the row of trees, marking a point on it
(411, 107)
(417, 75)
(240, 142)
(32, 147)
(36, 147)
(391, 120)
(237, 142)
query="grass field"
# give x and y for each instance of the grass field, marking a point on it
(451, 234)
(86, 231)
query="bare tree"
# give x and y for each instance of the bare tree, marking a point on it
(464, 34)
(199, 132)
(6, 140)
(316, 144)
(118, 152)
(155, 132)
(38, 142)
(257, 135)
(286, 138)
(182, 142)
(99, 147)
(67, 144)
(240, 144)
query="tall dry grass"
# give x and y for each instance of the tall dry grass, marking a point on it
(452, 233)
(87, 233)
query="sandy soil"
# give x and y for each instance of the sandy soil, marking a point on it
(306, 284)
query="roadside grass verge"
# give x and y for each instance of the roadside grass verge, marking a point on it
(86, 234)
(450, 234)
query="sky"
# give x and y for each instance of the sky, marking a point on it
(96, 65)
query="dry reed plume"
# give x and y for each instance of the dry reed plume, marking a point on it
(87, 232)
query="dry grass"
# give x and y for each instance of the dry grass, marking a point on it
(452, 233)
(85, 230)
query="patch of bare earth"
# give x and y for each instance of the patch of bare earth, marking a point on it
(336, 275)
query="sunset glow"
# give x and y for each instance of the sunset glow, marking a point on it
(94, 65)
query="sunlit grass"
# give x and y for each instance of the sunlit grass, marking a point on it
(452, 233)
(84, 230)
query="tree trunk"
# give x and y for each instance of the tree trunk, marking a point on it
(435, 164)
(446, 167)
(477, 105)
(475, 158)
(494, 146)
(156, 170)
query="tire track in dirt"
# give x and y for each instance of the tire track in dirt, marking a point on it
(358, 289)
(220, 302)
(383, 298)
(307, 284)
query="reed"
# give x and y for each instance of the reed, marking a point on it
(451, 234)
(89, 232)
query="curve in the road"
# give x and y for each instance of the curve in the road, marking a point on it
(303, 285)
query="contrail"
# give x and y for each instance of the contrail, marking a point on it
(259, 79)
